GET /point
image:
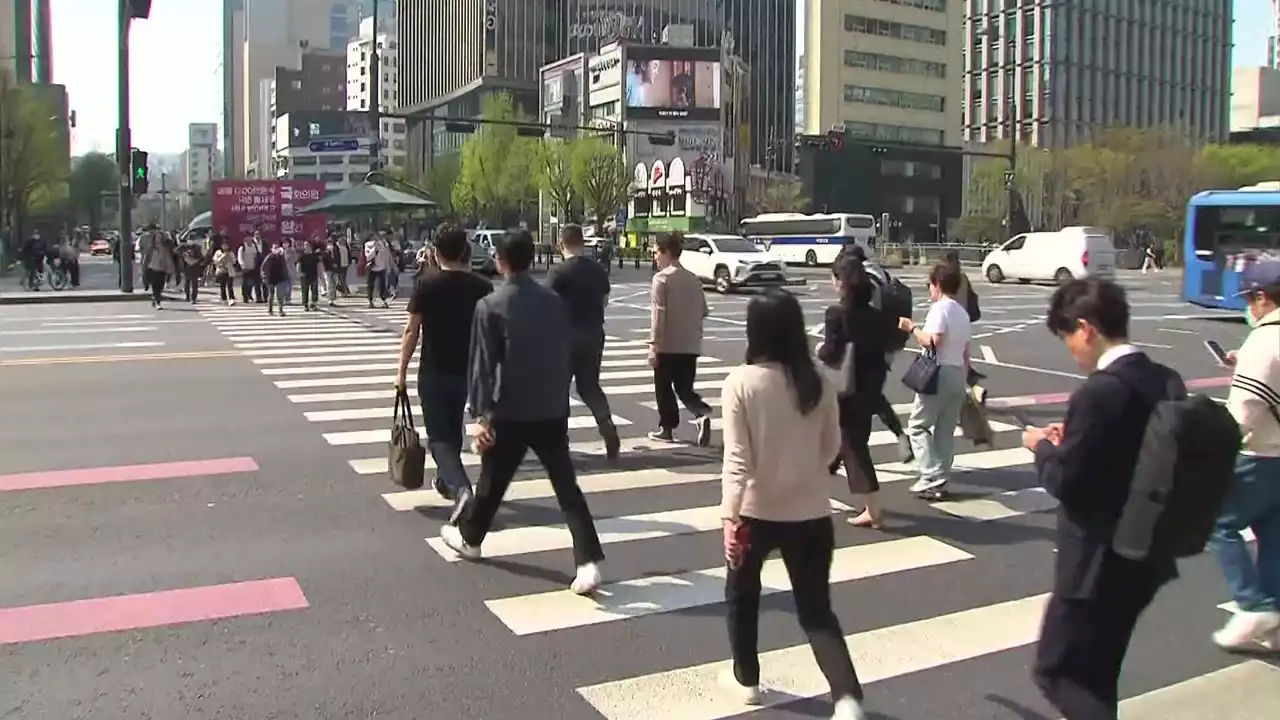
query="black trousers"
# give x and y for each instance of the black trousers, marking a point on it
(673, 378)
(310, 290)
(585, 359)
(855, 452)
(73, 269)
(155, 282)
(226, 290)
(191, 284)
(549, 440)
(251, 286)
(444, 408)
(884, 411)
(379, 278)
(1084, 640)
(806, 548)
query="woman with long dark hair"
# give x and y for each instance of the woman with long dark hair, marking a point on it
(855, 323)
(781, 429)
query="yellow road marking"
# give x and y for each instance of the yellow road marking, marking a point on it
(18, 362)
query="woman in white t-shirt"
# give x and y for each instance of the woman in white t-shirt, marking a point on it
(933, 420)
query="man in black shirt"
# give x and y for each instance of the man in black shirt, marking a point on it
(440, 310)
(584, 285)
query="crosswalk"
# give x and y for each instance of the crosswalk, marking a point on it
(339, 373)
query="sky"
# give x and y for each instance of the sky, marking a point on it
(176, 74)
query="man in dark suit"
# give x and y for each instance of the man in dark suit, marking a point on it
(1087, 463)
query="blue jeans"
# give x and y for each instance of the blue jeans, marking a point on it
(1253, 502)
(932, 425)
(444, 405)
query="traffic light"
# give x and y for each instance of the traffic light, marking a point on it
(140, 9)
(138, 172)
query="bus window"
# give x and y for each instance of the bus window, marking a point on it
(1236, 228)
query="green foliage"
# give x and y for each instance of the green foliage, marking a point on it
(557, 175)
(32, 158)
(601, 178)
(498, 171)
(1125, 179)
(92, 176)
(775, 196)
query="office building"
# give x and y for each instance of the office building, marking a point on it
(800, 95)
(1255, 98)
(1273, 42)
(318, 83)
(360, 84)
(885, 70)
(332, 146)
(201, 161)
(454, 52)
(8, 40)
(42, 39)
(1060, 72)
(258, 37)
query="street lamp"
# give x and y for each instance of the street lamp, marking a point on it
(375, 94)
(129, 9)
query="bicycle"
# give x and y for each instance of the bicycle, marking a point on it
(57, 275)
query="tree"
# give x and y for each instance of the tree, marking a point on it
(778, 197)
(601, 177)
(498, 174)
(32, 164)
(1235, 166)
(92, 176)
(557, 175)
(440, 181)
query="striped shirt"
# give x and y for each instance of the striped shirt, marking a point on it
(1254, 400)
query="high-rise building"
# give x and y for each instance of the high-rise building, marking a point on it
(1060, 72)
(360, 85)
(201, 162)
(258, 37)
(42, 39)
(884, 70)
(455, 52)
(8, 40)
(1273, 42)
(800, 95)
(16, 37)
(1255, 98)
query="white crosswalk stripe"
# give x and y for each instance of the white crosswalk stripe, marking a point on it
(340, 377)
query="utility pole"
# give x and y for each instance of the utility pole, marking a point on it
(375, 95)
(124, 155)
(164, 201)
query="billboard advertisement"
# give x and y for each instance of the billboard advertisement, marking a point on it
(679, 178)
(673, 83)
(202, 135)
(242, 206)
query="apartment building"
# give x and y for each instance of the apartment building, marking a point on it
(360, 83)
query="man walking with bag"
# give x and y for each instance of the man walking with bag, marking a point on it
(521, 341)
(440, 311)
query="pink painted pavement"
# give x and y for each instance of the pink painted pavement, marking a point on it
(1062, 397)
(147, 610)
(126, 473)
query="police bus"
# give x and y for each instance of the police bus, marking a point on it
(810, 239)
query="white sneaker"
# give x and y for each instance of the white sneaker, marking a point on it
(745, 694)
(452, 537)
(587, 579)
(927, 484)
(1245, 629)
(846, 708)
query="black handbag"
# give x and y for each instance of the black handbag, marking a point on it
(922, 375)
(406, 457)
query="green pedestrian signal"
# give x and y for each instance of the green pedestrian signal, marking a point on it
(138, 165)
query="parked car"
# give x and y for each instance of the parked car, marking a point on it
(101, 246)
(730, 262)
(482, 261)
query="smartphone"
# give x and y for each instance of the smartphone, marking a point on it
(1216, 351)
(743, 535)
(1021, 418)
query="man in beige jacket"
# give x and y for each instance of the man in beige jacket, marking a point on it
(677, 308)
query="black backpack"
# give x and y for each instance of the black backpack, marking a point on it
(895, 301)
(1185, 467)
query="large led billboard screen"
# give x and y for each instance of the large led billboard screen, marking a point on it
(673, 83)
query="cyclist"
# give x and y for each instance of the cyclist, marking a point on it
(33, 252)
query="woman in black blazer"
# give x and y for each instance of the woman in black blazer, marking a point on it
(855, 321)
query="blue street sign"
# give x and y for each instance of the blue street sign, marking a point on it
(335, 145)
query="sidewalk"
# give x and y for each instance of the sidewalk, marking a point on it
(98, 283)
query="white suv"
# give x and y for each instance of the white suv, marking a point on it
(732, 261)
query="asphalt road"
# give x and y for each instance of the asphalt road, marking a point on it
(203, 528)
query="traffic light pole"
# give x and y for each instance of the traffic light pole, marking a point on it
(375, 95)
(124, 157)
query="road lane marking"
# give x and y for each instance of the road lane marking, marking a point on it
(69, 330)
(88, 359)
(126, 473)
(86, 346)
(988, 354)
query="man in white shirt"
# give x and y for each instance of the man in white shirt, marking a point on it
(377, 255)
(1254, 498)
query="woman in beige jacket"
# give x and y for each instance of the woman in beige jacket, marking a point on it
(781, 432)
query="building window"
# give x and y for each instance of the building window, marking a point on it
(894, 64)
(934, 5)
(397, 144)
(916, 204)
(304, 160)
(893, 133)
(295, 84)
(356, 177)
(910, 168)
(899, 31)
(894, 98)
(329, 159)
(303, 176)
(333, 177)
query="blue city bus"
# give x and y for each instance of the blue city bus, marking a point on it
(1225, 231)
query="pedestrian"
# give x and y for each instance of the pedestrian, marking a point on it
(158, 264)
(1087, 463)
(224, 272)
(343, 258)
(934, 416)
(192, 260)
(377, 255)
(968, 299)
(1254, 498)
(291, 265)
(250, 257)
(781, 427)
(678, 308)
(440, 313)
(395, 246)
(332, 271)
(275, 277)
(69, 255)
(523, 404)
(855, 324)
(310, 265)
(583, 284)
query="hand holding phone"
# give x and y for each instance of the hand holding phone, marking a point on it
(1223, 358)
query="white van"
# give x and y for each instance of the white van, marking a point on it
(487, 238)
(1070, 253)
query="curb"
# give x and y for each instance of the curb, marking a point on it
(55, 297)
